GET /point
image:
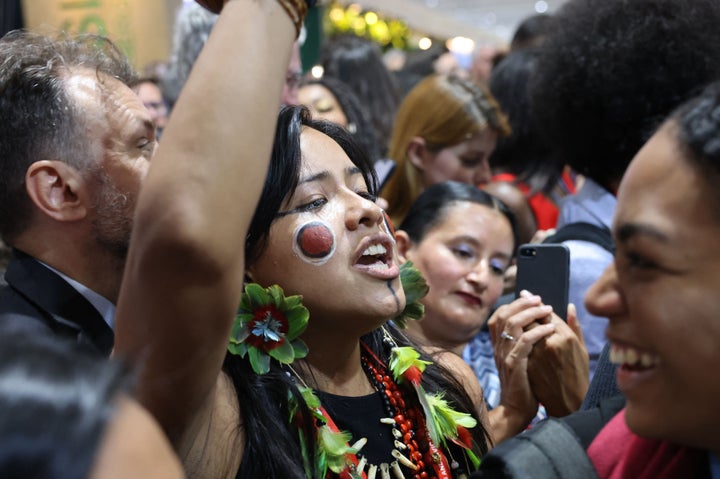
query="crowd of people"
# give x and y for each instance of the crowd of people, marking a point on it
(223, 272)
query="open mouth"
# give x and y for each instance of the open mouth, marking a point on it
(632, 359)
(375, 255)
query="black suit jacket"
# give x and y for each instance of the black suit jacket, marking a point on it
(38, 301)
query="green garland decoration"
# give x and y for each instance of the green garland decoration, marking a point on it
(268, 325)
(443, 422)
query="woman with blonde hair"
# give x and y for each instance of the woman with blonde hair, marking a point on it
(445, 129)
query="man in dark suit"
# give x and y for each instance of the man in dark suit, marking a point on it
(75, 145)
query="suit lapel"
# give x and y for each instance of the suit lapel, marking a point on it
(58, 299)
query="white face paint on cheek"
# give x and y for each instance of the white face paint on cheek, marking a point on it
(314, 242)
(387, 227)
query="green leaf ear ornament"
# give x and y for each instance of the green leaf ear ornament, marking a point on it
(415, 289)
(267, 325)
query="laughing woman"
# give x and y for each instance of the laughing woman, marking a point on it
(268, 393)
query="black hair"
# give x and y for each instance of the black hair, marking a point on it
(39, 121)
(429, 208)
(264, 400)
(522, 153)
(698, 123)
(284, 171)
(531, 32)
(55, 404)
(612, 70)
(358, 62)
(359, 124)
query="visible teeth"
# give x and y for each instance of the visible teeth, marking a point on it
(380, 265)
(374, 250)
(646, 360)
(632, 357)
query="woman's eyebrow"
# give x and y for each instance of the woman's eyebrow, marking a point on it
(316, 177)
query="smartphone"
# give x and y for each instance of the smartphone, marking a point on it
(544, 269)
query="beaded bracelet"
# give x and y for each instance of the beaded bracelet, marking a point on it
(296, 10)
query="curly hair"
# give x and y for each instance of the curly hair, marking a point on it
(699, 129)
(612, 70)
(39, 120)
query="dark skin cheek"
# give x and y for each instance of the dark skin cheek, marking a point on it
(315, 240)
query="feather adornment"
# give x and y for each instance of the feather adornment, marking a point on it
(267, 325)
(415, 288)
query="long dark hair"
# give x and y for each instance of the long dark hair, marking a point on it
(429, 208)
(271, 444)
(357, 61)
(357, 115)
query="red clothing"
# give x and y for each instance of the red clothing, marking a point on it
(617, 453)
(545, 211)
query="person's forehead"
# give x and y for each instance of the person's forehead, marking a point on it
(663, 186)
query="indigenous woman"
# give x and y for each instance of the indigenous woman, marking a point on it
(280, 389)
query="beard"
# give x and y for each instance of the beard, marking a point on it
(113, 217)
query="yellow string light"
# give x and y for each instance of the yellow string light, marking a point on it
(389, 33)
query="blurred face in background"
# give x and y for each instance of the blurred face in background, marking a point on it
(466, 162)
(292, 78)
(322, 104)
(151, 96)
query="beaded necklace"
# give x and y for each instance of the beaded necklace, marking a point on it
(415, 455)
(413, 448)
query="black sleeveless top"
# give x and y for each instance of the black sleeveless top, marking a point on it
(361, 417)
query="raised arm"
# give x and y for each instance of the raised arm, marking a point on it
(184, 273)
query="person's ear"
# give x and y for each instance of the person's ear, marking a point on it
(404, 246)
(416, 152)
(57, 189)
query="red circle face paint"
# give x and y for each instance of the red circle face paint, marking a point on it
(314, 242)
